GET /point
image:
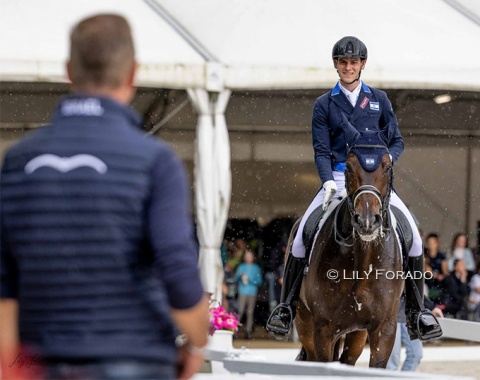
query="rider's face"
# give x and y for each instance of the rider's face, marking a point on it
(349, 68)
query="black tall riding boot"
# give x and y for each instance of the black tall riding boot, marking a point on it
(281, 318)
(421, 323)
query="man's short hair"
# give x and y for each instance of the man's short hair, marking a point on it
(432, 235)
(101, 51)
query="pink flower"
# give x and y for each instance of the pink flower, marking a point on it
(221, 320)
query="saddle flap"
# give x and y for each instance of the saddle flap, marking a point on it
(404, 232)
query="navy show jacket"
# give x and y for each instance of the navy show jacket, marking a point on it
(335, 121)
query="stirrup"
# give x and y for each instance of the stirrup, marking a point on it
(280, 321)
(425, 326)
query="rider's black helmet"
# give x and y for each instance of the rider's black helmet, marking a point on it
(349, 47)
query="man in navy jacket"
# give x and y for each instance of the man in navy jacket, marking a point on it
(98, 260)
(339, 116)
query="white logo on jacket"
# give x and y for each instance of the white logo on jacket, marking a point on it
(65, 164)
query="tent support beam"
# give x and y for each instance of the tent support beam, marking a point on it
(181, 30)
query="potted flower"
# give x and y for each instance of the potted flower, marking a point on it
(222, 327)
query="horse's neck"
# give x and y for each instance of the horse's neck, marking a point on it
(366, 255)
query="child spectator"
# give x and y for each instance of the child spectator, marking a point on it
(249, 278)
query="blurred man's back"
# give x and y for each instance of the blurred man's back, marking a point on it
(97, 242)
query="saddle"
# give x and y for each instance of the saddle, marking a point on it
(398, 221)
(314, 223)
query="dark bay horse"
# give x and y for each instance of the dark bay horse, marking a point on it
(352, 288)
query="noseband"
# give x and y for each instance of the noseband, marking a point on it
(369, 189)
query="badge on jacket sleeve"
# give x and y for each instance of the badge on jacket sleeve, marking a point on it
(375, 106)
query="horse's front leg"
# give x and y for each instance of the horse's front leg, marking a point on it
(382, 339)
(304, 325)
(353, 346)
(324, 337)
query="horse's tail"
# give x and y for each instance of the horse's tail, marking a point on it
(302, 355)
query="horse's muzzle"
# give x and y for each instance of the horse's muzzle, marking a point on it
(367, 225)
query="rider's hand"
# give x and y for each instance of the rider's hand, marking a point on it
(330, 190)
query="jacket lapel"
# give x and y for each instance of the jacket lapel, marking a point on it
(339, 98)
(362, 103)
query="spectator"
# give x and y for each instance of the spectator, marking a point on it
(413, 348)
(456, 290)
(97, 247)
(249, 278)
(474, 297)
(436, 264)
(460, 250)
(236, 254)
(277, 258)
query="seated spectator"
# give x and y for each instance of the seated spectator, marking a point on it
(249, 277)
(474, 297)
(460, 250)
(457, 290)
(437, 264)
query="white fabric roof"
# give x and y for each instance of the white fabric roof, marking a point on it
(34, 41)
(258, 44)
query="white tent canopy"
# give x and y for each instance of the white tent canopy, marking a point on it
(267, 44)
(34, 41)
(210, 47)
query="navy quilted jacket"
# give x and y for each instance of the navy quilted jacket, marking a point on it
(96, 236)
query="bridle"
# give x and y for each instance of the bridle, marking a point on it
(351, 200)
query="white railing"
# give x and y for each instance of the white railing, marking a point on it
(244, 361)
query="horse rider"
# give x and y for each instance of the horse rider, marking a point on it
(350, 108)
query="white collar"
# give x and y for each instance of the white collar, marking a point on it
(352, 96)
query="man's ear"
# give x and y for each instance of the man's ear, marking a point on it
(364, 62)
(69, 70)
(131, 74)
(335, 63)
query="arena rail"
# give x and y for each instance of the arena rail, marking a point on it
(458, 329)
(242, 361)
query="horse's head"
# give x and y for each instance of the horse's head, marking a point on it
(369, 179)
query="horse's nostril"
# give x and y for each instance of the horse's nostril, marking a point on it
(356, 218)
(378, 219)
